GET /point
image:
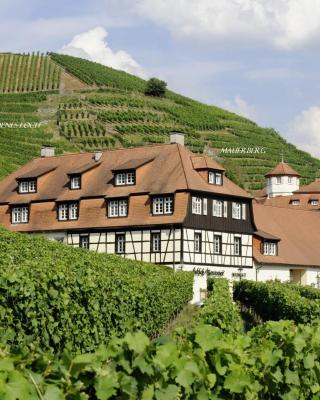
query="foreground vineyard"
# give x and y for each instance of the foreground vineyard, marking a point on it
(56, 297)
(277, 360)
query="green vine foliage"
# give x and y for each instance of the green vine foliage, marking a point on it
(277, 360)
(276, 301)
(219, 309)
(57, 297)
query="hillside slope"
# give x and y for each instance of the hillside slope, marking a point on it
(110, 110)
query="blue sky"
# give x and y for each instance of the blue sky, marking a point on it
(259, 58)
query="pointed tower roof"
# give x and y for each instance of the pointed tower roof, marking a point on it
(282, 169)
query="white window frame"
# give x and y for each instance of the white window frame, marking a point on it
(243, 211)
(120, 243)
(196, 205)
(217, 244)
(73, 211)
(75, 182)
(278, 180)
(155, 242)
(217, 208)
(237, 246)
(117, 208)
(197, 242)
(290, 180)
(225, 209)
(295, 202)
(20, 214)
(63, 212)
(236, 210)
(269, 248)
(314, 202)
(162, 205)
(215, 178)
(84, 241)
(68, 211)
(29, 186)
(125, 178)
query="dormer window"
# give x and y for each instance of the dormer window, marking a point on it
(28, 186)
(162, 205)
(215, 178)
(75, 182)
(295, 202)
(20, 214)
(125, 178)
(270, 248)
(314, 202)
(68, 211)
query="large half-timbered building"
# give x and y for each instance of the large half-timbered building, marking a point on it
(158, 203)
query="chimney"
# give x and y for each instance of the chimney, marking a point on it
(97, 155)
(47, 151)
(177, 138)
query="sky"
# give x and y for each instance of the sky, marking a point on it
(258, 58)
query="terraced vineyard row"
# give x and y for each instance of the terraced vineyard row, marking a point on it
(28, 73)
(22, 131)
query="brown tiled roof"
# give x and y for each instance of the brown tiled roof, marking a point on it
(282, 169)
(286, 201)
(36, 172)
(170, 170)
(299, 233)
(132, 164)
(266, 235)
(84, 168)
(313, 187)
(205, 162)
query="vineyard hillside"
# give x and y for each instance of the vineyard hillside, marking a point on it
(82, 105)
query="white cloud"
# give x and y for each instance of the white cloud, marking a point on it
(279, 23)
(304, 130)
(93, 46)
(239, 106)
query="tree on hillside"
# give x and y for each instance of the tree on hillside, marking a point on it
(155, 87)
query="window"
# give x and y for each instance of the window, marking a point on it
(68, 211)
(215, 178)
(28, 186)
(237, 246)
(270, 248)
(155, 242)
(217, 244)
(217, 207)
(20, 215)
(196, 205)
(125, 178)
(290, 180)
(314, 202)
(75, 182)
(243, 209)
(278, 180)
(236, 210)
(295, 202)
(197, 242)
(84, 241)
(118, 208)
(162, 205)
(120, 243)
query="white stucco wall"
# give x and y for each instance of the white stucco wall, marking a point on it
(281, 189)
(282, 273)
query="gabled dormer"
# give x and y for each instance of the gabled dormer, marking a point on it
(126, 174)
(210, 170)
(29, 181)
